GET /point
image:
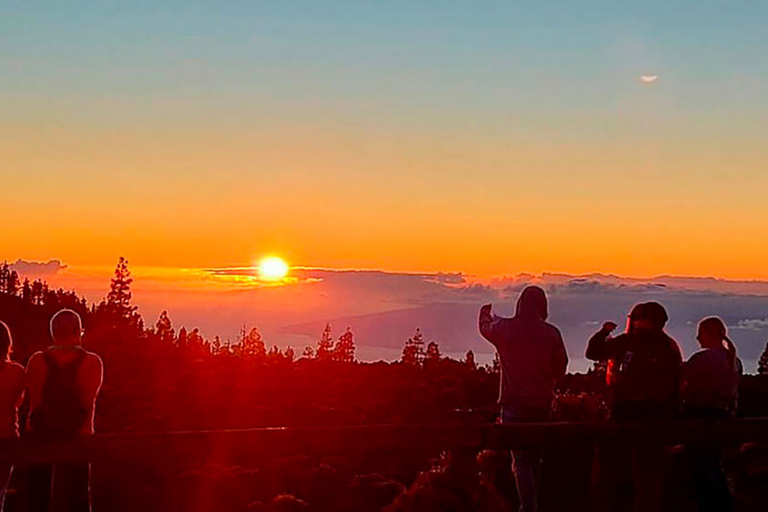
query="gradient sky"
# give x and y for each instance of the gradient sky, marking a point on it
(487, 137)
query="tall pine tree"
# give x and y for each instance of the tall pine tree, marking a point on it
(164, 329)
(413, 351)
(324, 350)
(344, 350)
(120, 297)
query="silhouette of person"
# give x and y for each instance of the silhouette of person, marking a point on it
(710, 390)
(647, 363)
(533, 358)
(62, 383)
(11, 395)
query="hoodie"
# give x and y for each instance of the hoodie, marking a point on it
(531, 351)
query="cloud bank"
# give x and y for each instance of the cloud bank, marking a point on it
(384, 308)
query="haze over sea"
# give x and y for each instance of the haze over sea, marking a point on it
(385, 308)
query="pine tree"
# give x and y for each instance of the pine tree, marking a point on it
(413, 351)
(38, 292)
(26, 291)
(120, 296)
(470, 360)
(762, 365)
(182, 340)
(164, 329)
(9, 280)
(252, 345)
(12, 285)
(433, 353)
(216, 345)
(5, 271)
(289, 354)
(195, 340)
(308, 353)
(344, 350)
(324, 350)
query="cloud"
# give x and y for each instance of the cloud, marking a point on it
(384, 308)
(752, 324)
(38, 268)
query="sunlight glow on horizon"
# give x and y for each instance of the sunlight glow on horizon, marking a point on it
(273, 268)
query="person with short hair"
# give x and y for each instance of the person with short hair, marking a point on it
(11, 396)
(63, 383)
(647, 365)
(533, 358)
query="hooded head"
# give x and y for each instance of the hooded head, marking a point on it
(532, 304)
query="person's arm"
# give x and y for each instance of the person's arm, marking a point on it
(489, 324)
(677, 365)
(599, 348)
(688, 373)
(559, 358)
(19, 383)
(91, 376)
(35, 380)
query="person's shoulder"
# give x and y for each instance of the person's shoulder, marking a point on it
(673, 345)
(553, 329)
(92, 359)
(621, 338)
(15, 368)
(702, 353)
(36, 359)
(698, 357)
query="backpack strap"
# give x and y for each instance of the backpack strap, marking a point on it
(70, 367)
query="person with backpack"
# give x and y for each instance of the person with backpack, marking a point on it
(11, 396)
(533, 358)
(646, 364)
(711, 379)
(63, 383)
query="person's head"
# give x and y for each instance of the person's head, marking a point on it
(6, 342)
(656, 314)
(532, 304)
(638, 319)
(66, 328)
(713, 334)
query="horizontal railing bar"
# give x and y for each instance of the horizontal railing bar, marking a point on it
(209, 445)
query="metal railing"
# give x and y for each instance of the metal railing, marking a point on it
(209, 445)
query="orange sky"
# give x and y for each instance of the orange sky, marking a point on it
(396, 139)
(483, 206)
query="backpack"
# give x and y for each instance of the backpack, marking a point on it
(648, 370)
(61, 413)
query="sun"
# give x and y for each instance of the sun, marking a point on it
(273, 268)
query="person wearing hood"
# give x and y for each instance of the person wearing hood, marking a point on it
(533, 358)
